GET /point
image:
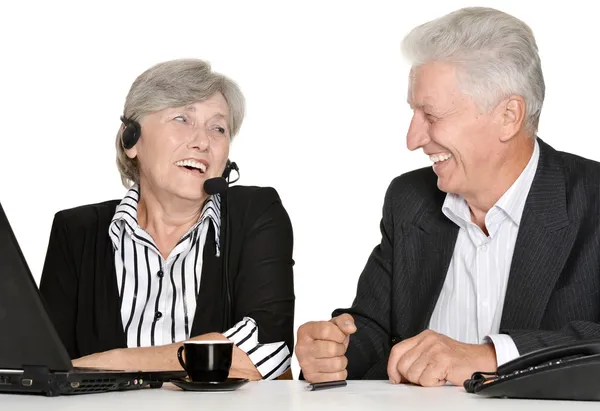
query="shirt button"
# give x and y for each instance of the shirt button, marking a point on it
(157, 315)
(160, 274)
(484, 247)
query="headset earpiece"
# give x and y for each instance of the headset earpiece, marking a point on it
(131, 133)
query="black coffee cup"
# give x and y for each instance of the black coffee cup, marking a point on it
(206, 361)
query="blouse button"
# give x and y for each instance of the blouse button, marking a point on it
(157, 315)
(160, 274)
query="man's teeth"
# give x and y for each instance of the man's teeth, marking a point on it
(440, 157)
(192, 163)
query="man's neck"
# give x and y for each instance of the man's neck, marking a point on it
(481, 201)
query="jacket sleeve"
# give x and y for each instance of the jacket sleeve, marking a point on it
(59, 284)
(532, 340)
(264, 288)
(370, 345)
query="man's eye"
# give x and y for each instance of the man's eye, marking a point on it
(220, 129)
(430, 118)
(181, 118)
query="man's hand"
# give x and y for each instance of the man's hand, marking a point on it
(321, 348)
(431, 359)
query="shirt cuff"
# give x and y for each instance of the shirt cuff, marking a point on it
(505, 347)
(271, 360)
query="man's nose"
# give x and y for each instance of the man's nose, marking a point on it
(418, 133)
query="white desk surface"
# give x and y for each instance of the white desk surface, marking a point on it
(288, 395)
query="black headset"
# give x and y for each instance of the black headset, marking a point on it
(129, 138)
(131, 132)
(225, 246)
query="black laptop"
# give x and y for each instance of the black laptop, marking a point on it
(32, 356)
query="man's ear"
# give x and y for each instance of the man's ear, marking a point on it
(512, 112)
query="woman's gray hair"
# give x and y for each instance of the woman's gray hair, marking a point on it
(496, 55)
(172, 84)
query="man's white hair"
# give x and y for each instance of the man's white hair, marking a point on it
(495, 55)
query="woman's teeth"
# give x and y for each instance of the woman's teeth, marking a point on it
(192, 164)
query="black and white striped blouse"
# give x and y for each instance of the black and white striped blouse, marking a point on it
(158, 296)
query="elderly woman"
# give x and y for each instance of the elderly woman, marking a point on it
(125, 282)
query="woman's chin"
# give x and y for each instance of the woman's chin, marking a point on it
(189, 192)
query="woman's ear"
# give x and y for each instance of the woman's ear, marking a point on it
(129, 152)
(132, 152)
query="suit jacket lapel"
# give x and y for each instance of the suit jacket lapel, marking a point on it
(430, 251)
(543, 244)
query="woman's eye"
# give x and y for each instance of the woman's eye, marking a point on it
(220, 129)
(181, 118)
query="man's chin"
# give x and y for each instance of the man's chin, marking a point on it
(444, 185)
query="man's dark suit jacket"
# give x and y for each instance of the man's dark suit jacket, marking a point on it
(553, 290)
(79, 283)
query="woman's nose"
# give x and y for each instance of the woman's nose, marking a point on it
(201, 141)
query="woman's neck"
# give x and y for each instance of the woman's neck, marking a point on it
(166, 218)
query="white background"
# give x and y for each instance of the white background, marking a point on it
(326, 122)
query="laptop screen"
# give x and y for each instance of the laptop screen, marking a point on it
(27, 336)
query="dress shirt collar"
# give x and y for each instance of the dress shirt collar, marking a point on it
(126, 213)
(511, 204)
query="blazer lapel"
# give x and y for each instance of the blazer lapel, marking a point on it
(209, 313)
(430, 251)
(543, 244)
(108, 324)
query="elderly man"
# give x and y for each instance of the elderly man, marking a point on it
(491, 253)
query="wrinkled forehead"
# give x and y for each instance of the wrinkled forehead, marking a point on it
(432, 84)
(411, 84)
(215, 104)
